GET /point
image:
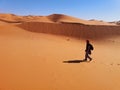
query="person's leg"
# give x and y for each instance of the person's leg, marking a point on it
(89, 57)
(86, 56)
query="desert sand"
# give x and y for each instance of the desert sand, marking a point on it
(33, 50)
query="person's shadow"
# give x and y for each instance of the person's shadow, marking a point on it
(75, 61)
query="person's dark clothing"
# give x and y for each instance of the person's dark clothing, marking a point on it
(88, 51)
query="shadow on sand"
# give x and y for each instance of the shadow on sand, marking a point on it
(75, 61)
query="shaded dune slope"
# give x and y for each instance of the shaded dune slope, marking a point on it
(73, 30)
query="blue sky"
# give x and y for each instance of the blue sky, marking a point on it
(107, 10)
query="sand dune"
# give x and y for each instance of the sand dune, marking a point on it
(54, 18)
(32, 55)
(68, 19)
(73, 30)
(15, 18)
(9, 18)
(33, 61)
(63, 25)
(2, 23)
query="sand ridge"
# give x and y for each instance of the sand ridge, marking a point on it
(54, 18)
(73, 30)
(60, 18)
(60, 24)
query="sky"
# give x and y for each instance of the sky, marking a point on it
(106, 10)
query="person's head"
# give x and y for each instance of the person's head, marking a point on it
(87, 41)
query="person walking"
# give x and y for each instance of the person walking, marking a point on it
(88, 49)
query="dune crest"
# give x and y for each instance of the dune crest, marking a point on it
(80, 31)
(69, 19)
(54, 18)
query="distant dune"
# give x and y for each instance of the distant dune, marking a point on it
(54, 18)
(69, 19)
(63, 25)
(15, 18)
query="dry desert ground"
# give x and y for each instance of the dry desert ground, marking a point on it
(33, 50)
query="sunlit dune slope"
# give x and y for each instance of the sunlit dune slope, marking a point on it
(11, 18)
(34, 61)
(32, 58)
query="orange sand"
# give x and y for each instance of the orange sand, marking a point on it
(34, 61)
